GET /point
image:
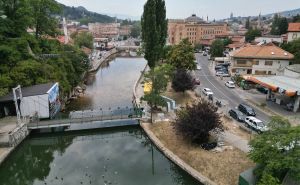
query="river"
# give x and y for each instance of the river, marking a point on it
(123, 156)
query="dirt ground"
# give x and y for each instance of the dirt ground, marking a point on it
(230, 125)
(223, 168)
(179, 97)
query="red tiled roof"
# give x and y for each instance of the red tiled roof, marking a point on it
(269, 51)
(294, 27)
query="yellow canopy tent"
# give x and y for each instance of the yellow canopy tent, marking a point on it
(147, 87)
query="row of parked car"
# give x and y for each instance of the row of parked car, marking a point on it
(222, 70)
(246, 114)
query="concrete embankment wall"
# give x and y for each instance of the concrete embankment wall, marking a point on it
(174, 158)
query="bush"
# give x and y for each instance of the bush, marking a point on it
(195, 122)
(182, 81)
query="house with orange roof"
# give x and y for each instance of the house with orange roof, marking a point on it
(266, 59)
(293, 32)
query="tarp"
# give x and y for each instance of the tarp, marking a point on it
(147, 87)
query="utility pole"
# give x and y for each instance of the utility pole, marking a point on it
(16, 97)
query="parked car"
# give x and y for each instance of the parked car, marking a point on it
(198, 67)
(255, 124)
(204, 53)
(196, 81)
(237, 115)
(220, 67)
(230, 84)
(246, 109)
(221, 73)
(207, 92)
(262, 89)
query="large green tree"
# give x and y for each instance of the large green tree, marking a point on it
(277, 151)
(251, 34)
(217, 48)
(154, 30)
(294, 48)
(83, 39)
(279, 25)
(43, 21)
(182, 56)
(158, 77)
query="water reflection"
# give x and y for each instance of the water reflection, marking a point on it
(111, 86)
(122, 156)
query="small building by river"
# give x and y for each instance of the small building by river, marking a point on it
(38, 100)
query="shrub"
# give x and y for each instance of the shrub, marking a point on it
(197, 121)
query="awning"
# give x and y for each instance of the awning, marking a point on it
(281, 84)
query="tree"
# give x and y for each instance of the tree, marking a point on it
(227, 41)
(296, 18)
(154, 30)
(277, 151)
(158, 77)
(182, 81)
(182, 56)
(83, 39)
(294, 48)
(136, 30)
(195, 122)
(279, 25)
(251, 34)
(198, 46)
(268, 179)
(217, 48)
(44, 22)
(247, 26)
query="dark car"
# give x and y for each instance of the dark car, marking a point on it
(262, 89)
(237, 115)
(246, 109)
(196, 81)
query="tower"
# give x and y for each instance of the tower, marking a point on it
(231, 15)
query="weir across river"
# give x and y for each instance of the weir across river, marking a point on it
(88, 116)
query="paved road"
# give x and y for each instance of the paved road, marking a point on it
(226, 95)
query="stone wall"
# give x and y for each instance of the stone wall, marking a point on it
(16, 136)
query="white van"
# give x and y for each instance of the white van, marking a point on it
(255, 124)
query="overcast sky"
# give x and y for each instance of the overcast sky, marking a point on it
(215, 9)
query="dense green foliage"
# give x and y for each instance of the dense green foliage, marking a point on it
(279, 25)
(42, 17)
(251, 34)
(22, 56)
(154, 30)
(83, 39)
(217, 48)
(296, 18)
(277, 151)
(195, 122)
(294, 48)
(227, 41)
(84, 16)
(159, 78)
(182, 56)
(136, 30)
(182, 81)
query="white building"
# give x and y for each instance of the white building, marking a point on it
(265, 59)
(293, 31)
(269, 39)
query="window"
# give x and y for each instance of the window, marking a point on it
(255, 62)
(241, 62)
(268, 63)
